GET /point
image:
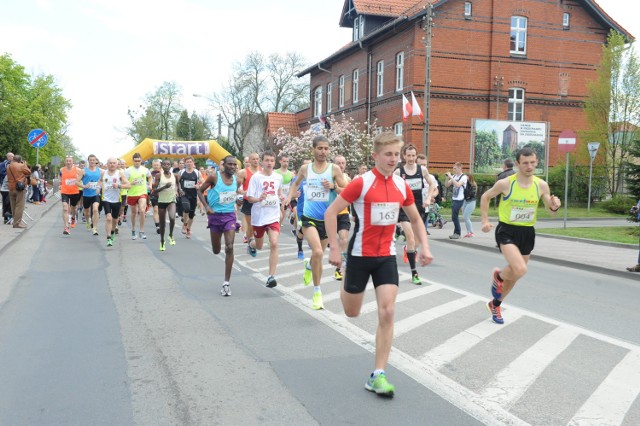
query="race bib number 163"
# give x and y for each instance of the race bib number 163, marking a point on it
(383, 214)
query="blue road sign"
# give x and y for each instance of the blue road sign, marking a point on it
(38, 138)
(210, 163)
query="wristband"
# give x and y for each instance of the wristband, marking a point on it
(552, 210)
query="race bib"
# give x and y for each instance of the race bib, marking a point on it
(316, 193)
(228, 197)
(522, 214)
(415, 184)
(383, 214)
(270, 201)
(138, 181)
(91, 185)
(285, 189)
(188, 184)
(70, 182)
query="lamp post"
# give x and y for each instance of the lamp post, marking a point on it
(593, 150)
(219, 116)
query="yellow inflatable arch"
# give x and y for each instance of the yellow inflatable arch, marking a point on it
(153, 148)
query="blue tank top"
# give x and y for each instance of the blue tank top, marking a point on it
(222, 197)
(316, 197)
(90, 181)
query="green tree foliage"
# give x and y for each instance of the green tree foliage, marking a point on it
(27, 103)
(613, 107)
(633, 166)
(487, 151)
(157, 118)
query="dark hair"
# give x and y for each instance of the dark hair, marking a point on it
(137, 155)
(508, 163)
(320, 138)
(267, 154)
(224, 160)
(524, 152)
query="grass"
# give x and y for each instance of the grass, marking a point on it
(616, 234)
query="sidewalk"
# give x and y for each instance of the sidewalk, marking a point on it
(8, 233)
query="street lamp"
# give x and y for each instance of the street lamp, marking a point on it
(219, 116)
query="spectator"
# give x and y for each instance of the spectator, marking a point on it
(469, 206)
(35, 194)
(507, 170)
(457, 180)
(4, 188)
(636, 211)
(17, 171)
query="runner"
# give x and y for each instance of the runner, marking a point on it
(244, 176)
(70, 179)
(376, 199)
(123, 197)
(321, 179)
(299, 208)
(287, 176)
(265, 195)
(515, 235)
(344, 223)
(415, 176)
(91, 177)
(137, 196)
(112, 182)
(222, 190)
(156, 170)
(189, 179)
(165, 187)
(79, 209)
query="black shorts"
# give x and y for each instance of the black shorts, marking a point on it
(154, 200)
(343, 222)
(402, 216)
(72, 199)
(523, 237)
(87, 202)
(308, 222)
(112, 209)
(382, 270)
(246, 208)
(293, 204)
(165, 205)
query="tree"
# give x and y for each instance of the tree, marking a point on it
(487, 151)
(158, 116)
(613, 105)
(633, 167)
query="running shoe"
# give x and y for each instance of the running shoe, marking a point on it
(120, 222)
(271, 281)
(497, 284)
(109, 242)
(415, 278)
(133, 235)
(157, 230)
(172, 242)
(116, 230)
(317, 301)
(337, 275)
(244, 240)
(113, 238)
(184, 228)
(469, 235)
(380, 385)
(66, 231)
(95, 231)
(226, 290)
(300, 255)
(73, 222)
(496, 316)
(188, 234)
(87, 225)
(143, 236)
(405, 256)
(252, 251)
(162, 247)
(124, 219)
(308, 275)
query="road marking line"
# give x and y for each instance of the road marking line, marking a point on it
(280, 256)
(421, 318)
(513, 380)
(611, 401)
(291, 262)
(402, 297)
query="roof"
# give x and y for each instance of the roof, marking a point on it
(285, 120)
(385, 8)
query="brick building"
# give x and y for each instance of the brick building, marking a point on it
(523, 60)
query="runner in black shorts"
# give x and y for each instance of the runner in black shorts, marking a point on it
(344, 221)
(523, 237)
(308, 222)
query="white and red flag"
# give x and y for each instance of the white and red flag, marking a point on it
(406, 108)
(415, 107)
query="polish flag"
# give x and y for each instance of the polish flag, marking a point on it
(406, 108)
(415, 107)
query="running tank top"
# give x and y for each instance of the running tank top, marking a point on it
(247, 178)
(109, 193)
(222, 197)
(69, 181)
(316, 197)
(415, 182)
(90, 181)
(519, 207)
(189, 183)
(138, 179)
(286, 181)
(167, 195)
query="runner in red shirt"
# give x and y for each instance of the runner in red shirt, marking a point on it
(376, 198)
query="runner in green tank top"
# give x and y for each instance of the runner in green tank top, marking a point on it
(515, 234)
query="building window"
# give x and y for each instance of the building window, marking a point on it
(565, 21)
(399, 71)
(358, 28)
(341, 91)
(397, 129)
(467, 10)
(355, 82)
(380, 79)
(518, 35)
(329, 96)
(516, 105)
(317, 102)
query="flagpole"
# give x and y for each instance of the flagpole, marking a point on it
(428, 25)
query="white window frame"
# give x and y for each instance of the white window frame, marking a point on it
(516, 104)
(355, 85)
(329, 96)
(468, 9)
(358, 27)
(566, 20)
(397, 128)
(341, 91)
(380, 78)
(317, 102)
(399, 71)
(518, 35)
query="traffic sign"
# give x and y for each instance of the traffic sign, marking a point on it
(210, 163)
(567, 141)
(593, 149)
(38, 138)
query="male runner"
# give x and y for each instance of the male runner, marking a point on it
(91, 177)
(70, 179)
(79, 210)
(222, 189)
(344, 223)
(321, 180)
(156, 170)
(287, 177)
(265, 195)
(376, 199)
(165, 187)
(244, 177)
(189, 179)
(123, 196)
(112, 182)
(137, 196)
(297, 225)
(515, 235)
(415, 176)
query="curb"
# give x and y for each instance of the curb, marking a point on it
(587, 240)
(46, 210)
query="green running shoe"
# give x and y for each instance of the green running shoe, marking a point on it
(415, 278)
(109, 242)
(380, 385)
(308, 275)
(162, 247)
(317, 301)
(172, 241)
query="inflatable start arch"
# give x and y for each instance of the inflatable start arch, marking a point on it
(151, 148)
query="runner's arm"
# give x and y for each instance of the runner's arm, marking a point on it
(124, 182)
(498, 188)
(551, 202)
(331, 225)
(209, 182)
(420, 232)
(295, 185)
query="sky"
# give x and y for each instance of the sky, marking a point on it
(106, 55)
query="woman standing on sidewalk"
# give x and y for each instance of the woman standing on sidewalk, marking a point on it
(17, 171)
(35, 189)
(469, 205)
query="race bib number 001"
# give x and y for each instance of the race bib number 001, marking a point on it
(316, 193)
(228, 197)
(383, 214)
(522, 215)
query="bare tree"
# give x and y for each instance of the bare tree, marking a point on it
(158, 116)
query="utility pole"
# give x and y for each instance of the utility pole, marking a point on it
(427, 27)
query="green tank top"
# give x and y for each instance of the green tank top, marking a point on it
(138, 179)
(519, 207)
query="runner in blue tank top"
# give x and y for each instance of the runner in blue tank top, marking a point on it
(91, 177)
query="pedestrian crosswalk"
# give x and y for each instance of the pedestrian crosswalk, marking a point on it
(531, 370)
